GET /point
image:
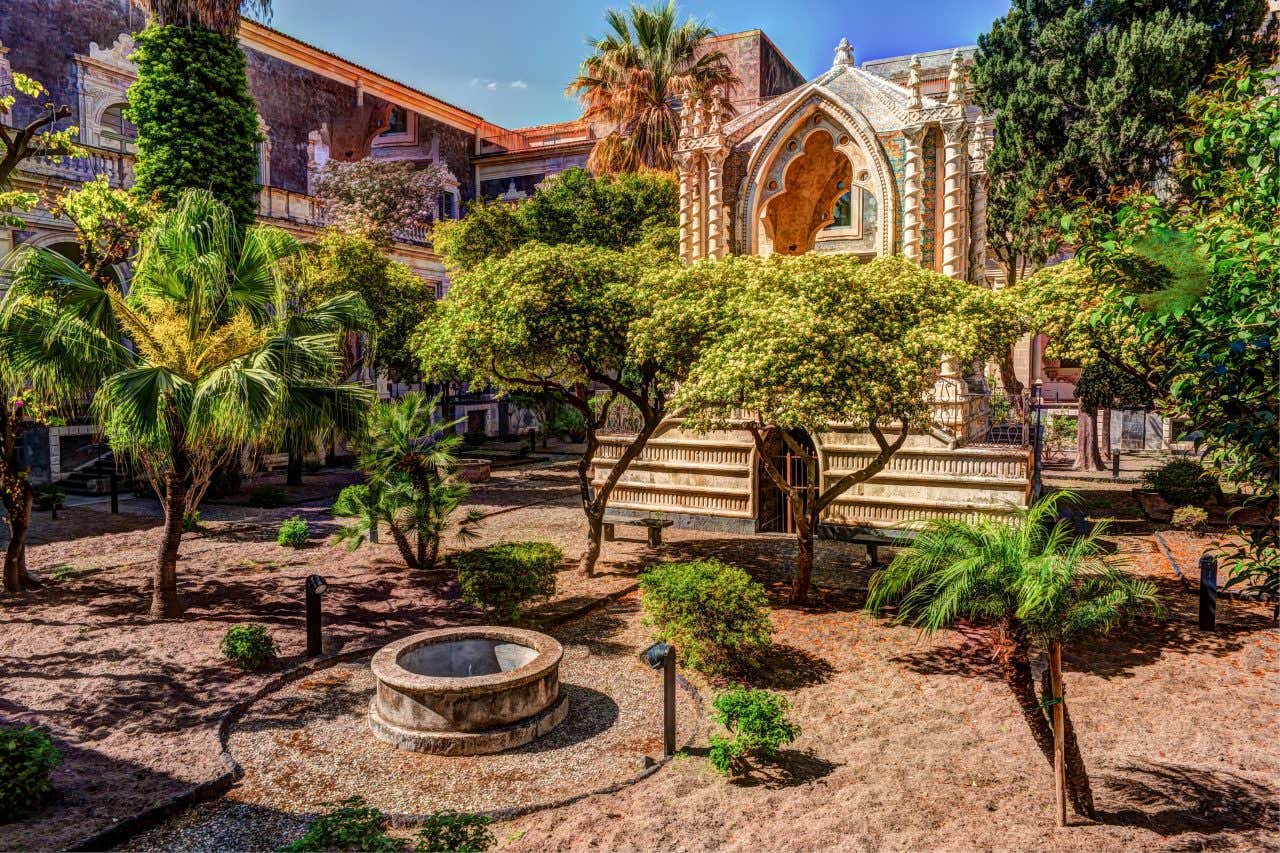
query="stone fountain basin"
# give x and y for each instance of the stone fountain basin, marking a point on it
(467, 691)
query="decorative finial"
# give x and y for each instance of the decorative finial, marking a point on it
(956, 80)
(913, 83)
(844, 54)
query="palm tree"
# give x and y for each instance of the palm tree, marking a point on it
(410, 458)
(221, 16)
(1036, 584)
(634, 78)
(202, 355)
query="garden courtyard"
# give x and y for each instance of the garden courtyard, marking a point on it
(905, 743)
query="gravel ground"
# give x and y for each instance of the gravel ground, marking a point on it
(297, 746)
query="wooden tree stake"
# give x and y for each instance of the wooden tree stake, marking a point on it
(1059, 750)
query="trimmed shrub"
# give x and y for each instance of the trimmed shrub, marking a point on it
(268, 497)
(27, 757)
(758, 722)
(352, 825)
(455, 832)
(1191, 519)
(293, 532)
(249, 647)
(1182, 482)
(350, 500)
(502, 577)
(714, 613)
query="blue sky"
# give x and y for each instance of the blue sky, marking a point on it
(510, 61)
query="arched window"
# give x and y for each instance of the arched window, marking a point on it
(842, 214)
(116, 131)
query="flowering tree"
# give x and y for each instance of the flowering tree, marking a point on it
(380, 197)
(782, 345)
(37, 138)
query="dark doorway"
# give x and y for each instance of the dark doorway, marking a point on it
(773, 510)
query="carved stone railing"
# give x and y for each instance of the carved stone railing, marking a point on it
(116, 165)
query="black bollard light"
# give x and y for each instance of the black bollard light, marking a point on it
(1208, 592)
(1115, 464)
(115, 493)
(663, 656)
(315, 588)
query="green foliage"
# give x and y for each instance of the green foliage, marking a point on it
(574, 207)
(455, 832)
(502, 577)
(197, 123)
(249, 647)
(1084, 96)
(758, 721)
(1182, 482)
(350, 825)
(268, 497)
(569, 424)
(636, 75)
(36, 139)
(109, 224)
(191, 521)
(48, 496)
(1102, 385)
(410, 459)
(350, 499)
(1191, 519)
(715, 614)
(27, 757)
(293, 532)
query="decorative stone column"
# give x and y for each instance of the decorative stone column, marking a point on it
(955, 197)
(686, 163)
(912, 195)
(717, 235)
(978, 183)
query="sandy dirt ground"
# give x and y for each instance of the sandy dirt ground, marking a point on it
(907, 743)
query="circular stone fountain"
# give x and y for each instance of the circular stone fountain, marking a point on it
(467, 691)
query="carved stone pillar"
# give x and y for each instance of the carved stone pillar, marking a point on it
(955, 198)
(717, 236)
(978, 228)
(912, 195)
(686, 163)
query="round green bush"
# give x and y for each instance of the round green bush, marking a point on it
(293, 532)
(715, 614)
(268, 497)
(455, 832)
(350, 501)
(27, 757)
(758, 721)
(350, 825)
(249, 647)
(502, 577)
(1182, 482)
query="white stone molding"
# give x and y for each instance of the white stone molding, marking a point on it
(264, 153)
(912, 192)
(955, 197)
(103, 77)
(844, 55)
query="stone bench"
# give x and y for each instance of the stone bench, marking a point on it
(654, 525)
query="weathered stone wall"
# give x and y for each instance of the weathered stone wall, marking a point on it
(764, 72)
(44, 35)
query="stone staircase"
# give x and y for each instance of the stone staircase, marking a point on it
(93, 476)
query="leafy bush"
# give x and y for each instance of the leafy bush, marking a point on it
(569, 424)
(48, 496)
(502, 577)
(350, 500)
(352, 825)
(268, 497)
(758, 721)
(27, 757)
(191, 521)
(293, 532)
(714, 613)
(1182, 482)
(250, 647)
(1191, 519)
(455, 832)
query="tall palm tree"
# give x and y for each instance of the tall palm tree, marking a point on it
(634, 80)
(199, 358)
(410, 458)
(221, 16)
(1036, 584)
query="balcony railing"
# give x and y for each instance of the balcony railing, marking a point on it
(116, 165)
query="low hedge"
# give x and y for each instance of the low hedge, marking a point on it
(502, 577)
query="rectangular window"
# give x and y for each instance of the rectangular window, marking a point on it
(446, 209)
(397, 122)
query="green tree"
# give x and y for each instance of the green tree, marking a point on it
(197, 123)
(634, 77)
(1033, 583)
(1084, 94)
(198, 358)
(109, 224)
(803, 343)
(410, 459)
(37, 138)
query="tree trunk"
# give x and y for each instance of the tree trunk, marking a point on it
(1059, 748)
(1012, 385)
(165, 603)
(1013, 651)
(433, 554)
(1078, 787)
(293, 474)
(1104, 440)
(804, 564)
(402, 544)
(595, 533)
(1087, 458)
(18, 515)
(421, 542)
